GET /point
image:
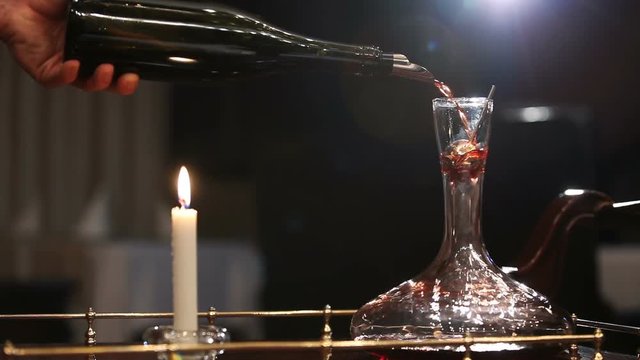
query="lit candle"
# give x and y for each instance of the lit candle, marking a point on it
(185, 269)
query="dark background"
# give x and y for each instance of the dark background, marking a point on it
(345, 171)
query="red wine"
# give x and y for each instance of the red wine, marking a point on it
(448, 93)
(463, 159)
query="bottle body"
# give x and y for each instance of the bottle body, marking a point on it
(199, 41)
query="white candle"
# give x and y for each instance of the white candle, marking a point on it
(185, 267)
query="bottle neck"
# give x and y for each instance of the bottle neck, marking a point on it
(347, 58)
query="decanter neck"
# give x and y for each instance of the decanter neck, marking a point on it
(463, 212)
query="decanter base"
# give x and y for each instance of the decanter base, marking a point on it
(551, 352)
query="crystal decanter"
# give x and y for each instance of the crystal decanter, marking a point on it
(462, 291)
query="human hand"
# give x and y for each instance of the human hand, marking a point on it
(34, 31)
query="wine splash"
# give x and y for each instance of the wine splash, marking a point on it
(416, 72)
(446, 91)
(465, 157)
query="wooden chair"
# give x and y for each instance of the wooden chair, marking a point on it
(560, 258)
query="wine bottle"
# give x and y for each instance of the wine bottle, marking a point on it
(181, 40)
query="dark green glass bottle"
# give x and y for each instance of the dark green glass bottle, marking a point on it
(175, 40)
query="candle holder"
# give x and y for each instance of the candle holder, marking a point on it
(208, 334)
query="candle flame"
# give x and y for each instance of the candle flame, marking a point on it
(184, 188)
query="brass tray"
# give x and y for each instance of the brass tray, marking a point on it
(325, 346)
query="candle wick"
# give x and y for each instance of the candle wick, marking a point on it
(183, 204)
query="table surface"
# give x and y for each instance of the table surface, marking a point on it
(585, 354)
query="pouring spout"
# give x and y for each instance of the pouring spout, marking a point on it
(404, 68)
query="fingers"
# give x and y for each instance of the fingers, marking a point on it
(101, 79)
(69, 72)
(57, 73)
(127, 84)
